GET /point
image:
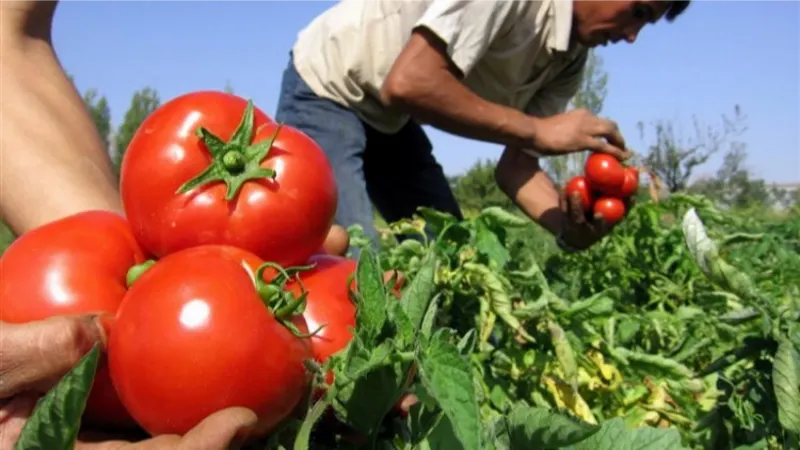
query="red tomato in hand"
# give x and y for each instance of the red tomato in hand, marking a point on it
(579, 184)
(611, 208)
(604, 173)
(193, 336)
(75, 265)
(631, 183)
(262, 187)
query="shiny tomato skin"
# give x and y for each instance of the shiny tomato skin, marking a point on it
(631, 183)
(604, 173)
(611, 208)
(193, 337)
(328, 302)
(284, 220)
(74, 265)
(581, 186)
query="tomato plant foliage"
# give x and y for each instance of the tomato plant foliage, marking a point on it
(678, 331)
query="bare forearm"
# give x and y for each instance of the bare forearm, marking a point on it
(422, 84)
(523, 180)
(53, 161)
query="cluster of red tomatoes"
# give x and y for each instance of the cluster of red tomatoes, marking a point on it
(219, 202)
(605, 185)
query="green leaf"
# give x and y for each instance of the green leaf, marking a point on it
(56, 420)
(786, 376)
(500, 217)
(371, 310)
(564, 354)
(430, 319)
(417, 297)
(488, 244)
(614, 435)
(497, 296)
(530, 428)
(446, 375)
(657, 365)
(435, 220)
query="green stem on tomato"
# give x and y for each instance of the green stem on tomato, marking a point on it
(136, 271)
(282, 303)
(236, 161)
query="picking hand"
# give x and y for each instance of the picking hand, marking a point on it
(577, 131)
(36, 355)
(579, 231)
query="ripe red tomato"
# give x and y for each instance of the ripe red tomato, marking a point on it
(631, 183)
(263, 187)
(328, 302)
(193, 336)
(611, 208)
(604, 173)
(52, 271)
(581, 186)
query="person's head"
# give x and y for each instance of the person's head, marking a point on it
(602, 22)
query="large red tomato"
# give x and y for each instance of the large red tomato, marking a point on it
(74, 265)
(604, 173)
(193, 336)
(208, 168)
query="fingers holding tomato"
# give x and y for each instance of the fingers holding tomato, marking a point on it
(598, 200)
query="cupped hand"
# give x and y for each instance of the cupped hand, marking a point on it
(577, 131)
(34, 356)
(580, 230)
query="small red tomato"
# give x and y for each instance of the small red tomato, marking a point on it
(611, 208)
(48, 271)
(631, 184)
(193, 336)
(604, 173)
(581, 186)
(328, 303)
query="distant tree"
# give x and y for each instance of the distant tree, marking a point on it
(476, 188)
(591, 95)
(734, 185)
(674, 158)
(228, 87)
(101, 115)
(143, 103)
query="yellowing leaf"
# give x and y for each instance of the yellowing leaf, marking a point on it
(567, 398)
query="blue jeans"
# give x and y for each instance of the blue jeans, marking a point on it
(396, 173)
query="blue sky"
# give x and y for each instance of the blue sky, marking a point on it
(719, 54)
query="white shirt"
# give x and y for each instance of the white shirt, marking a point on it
(516, 53)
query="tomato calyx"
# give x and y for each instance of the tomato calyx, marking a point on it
(234, 162)
(137, 271)
(283, 304)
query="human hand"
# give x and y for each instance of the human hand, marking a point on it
(576, 131)
(34, 356)
(579, 231)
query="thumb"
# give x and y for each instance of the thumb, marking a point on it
(597, 144)
(35, 355)
(228, 428)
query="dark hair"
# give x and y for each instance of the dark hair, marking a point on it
(676, 9)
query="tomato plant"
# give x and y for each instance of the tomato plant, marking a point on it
(611, 208)
(579, 184)
(194, 336)
(209, 168)
(604, 173)
(50, 271)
